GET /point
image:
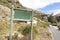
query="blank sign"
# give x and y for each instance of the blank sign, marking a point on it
(22, 15)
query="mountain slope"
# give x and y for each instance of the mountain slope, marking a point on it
(7, 3)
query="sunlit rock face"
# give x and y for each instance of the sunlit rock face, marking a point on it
(4, 12)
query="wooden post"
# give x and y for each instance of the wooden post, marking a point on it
(11, 23)
(31, 36)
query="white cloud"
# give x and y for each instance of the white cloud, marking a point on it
(56, 12)
(34, 4)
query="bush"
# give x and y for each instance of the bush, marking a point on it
(26, 30)
(52, 20)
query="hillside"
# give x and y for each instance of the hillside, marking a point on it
(41, 27)
(7, 3)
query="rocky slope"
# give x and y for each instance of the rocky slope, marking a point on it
(5, 22)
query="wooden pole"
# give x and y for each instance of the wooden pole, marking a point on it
(11, 23)
(31, 36)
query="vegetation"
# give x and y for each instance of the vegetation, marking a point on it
(42, 23)
(26, 30)
(52, 20)
(39, 29)
(7, 3)
(4, 27)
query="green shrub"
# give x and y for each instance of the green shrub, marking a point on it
(26, 30)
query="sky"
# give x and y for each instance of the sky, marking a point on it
(40, 4)
(51, 8)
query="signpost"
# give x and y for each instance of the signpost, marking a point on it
(21, 15)
(24, 15)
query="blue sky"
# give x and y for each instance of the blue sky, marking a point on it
(52, 8)
(47, 6)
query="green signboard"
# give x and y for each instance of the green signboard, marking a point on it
(22, 15)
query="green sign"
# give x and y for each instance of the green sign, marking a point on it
(22, 15)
